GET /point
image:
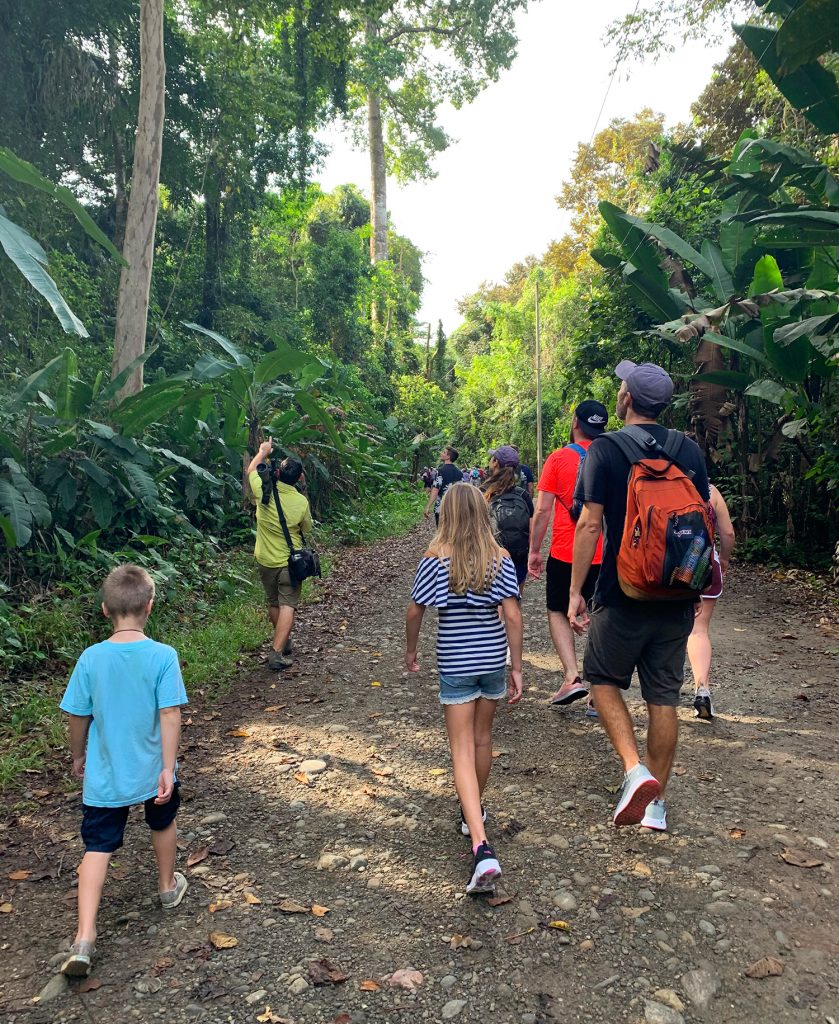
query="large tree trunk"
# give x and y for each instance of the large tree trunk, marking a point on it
(135, 279)
(378, 180)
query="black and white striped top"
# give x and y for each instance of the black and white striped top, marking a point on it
(471, 639)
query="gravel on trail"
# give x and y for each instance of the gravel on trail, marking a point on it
(327, 869)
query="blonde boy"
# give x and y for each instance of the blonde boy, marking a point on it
(124, 701)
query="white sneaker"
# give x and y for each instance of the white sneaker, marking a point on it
(639, 788)
(655, 816)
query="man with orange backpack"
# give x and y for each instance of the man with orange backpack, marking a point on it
(647, 488)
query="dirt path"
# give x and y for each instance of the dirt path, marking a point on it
(656, 922)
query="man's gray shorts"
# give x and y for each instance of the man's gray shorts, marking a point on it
(651, 637)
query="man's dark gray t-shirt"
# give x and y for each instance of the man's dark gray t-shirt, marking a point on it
(603, 480)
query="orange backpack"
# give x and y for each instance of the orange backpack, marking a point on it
(667, 548)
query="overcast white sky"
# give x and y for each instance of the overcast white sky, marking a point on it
(492, 202)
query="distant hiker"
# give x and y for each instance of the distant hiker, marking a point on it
(467, 575)
(446, 474)
(699, 641)
(525, 474)
(272, 550)
(466, 476)
(427, 477)
(556, 496)
(475, 476)
(652, 566)
(124, 701)
(510, 507)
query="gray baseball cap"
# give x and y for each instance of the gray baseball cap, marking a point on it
(649, 384)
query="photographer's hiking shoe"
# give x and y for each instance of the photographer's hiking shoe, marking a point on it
(464, 828)
(570, 691)
(278, 660)
(77, 964)
(655, 816)
(639, 789)
(703, 709)
(485, 871)
(171, 899)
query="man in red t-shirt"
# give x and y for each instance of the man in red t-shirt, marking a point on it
(556, 494)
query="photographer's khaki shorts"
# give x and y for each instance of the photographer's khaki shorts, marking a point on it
(280, 592)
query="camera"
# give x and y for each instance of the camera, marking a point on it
(269, 474)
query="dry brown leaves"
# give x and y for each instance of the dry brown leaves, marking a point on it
(322, 972)
(19, 876)
(368, 985)
(766, 967)
(222, 941)
(197, 856)
(239, 733)
(220, 905)
(292, 907)
(799, 858)
(499, 901)
(89, 985)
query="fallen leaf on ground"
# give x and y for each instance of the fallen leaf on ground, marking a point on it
(220, 905)
(40, 793)
(514, 940)
(252, 899)
(275, 707)
(766, 967)
(197, 856)
(800, 859)
(611, 789)
(242, 733)
(19, 876)
(737, 833)
(318, 910)
(633, 912)
(269, 1017)
(222, 941)
(6, 908)
(39, 874)
(322, 972)
(292, 907)
(384, 772)
(89, 985)
(499, 901)
(406, 979)
(680, 770)
(642, 869)
(324, 934)
(342, 1018)
(436, 771)
(221, 848)
(302, 778)
(375, 683)
(370, 986)
(164, 963)
(460, 941)
(561, 926)
(789, 636)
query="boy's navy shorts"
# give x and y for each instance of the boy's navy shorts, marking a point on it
(104, 827)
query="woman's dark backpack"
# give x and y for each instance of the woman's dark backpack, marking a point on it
(510, 517)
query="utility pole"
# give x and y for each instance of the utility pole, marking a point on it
(428, 353)
(538, 387)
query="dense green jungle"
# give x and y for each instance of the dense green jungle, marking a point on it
(277, 308)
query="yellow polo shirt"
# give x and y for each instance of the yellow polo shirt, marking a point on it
(271, 549)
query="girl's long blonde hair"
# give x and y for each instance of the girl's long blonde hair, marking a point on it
(465, 537)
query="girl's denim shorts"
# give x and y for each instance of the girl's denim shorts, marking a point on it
(462, 689)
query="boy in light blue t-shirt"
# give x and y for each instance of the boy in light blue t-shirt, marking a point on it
(124, 701)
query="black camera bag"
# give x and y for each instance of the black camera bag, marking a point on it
(302, 562)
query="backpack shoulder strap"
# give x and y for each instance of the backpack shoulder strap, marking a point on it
(626, 442)
(578, 448)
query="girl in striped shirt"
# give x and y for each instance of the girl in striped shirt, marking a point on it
(466, 575)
